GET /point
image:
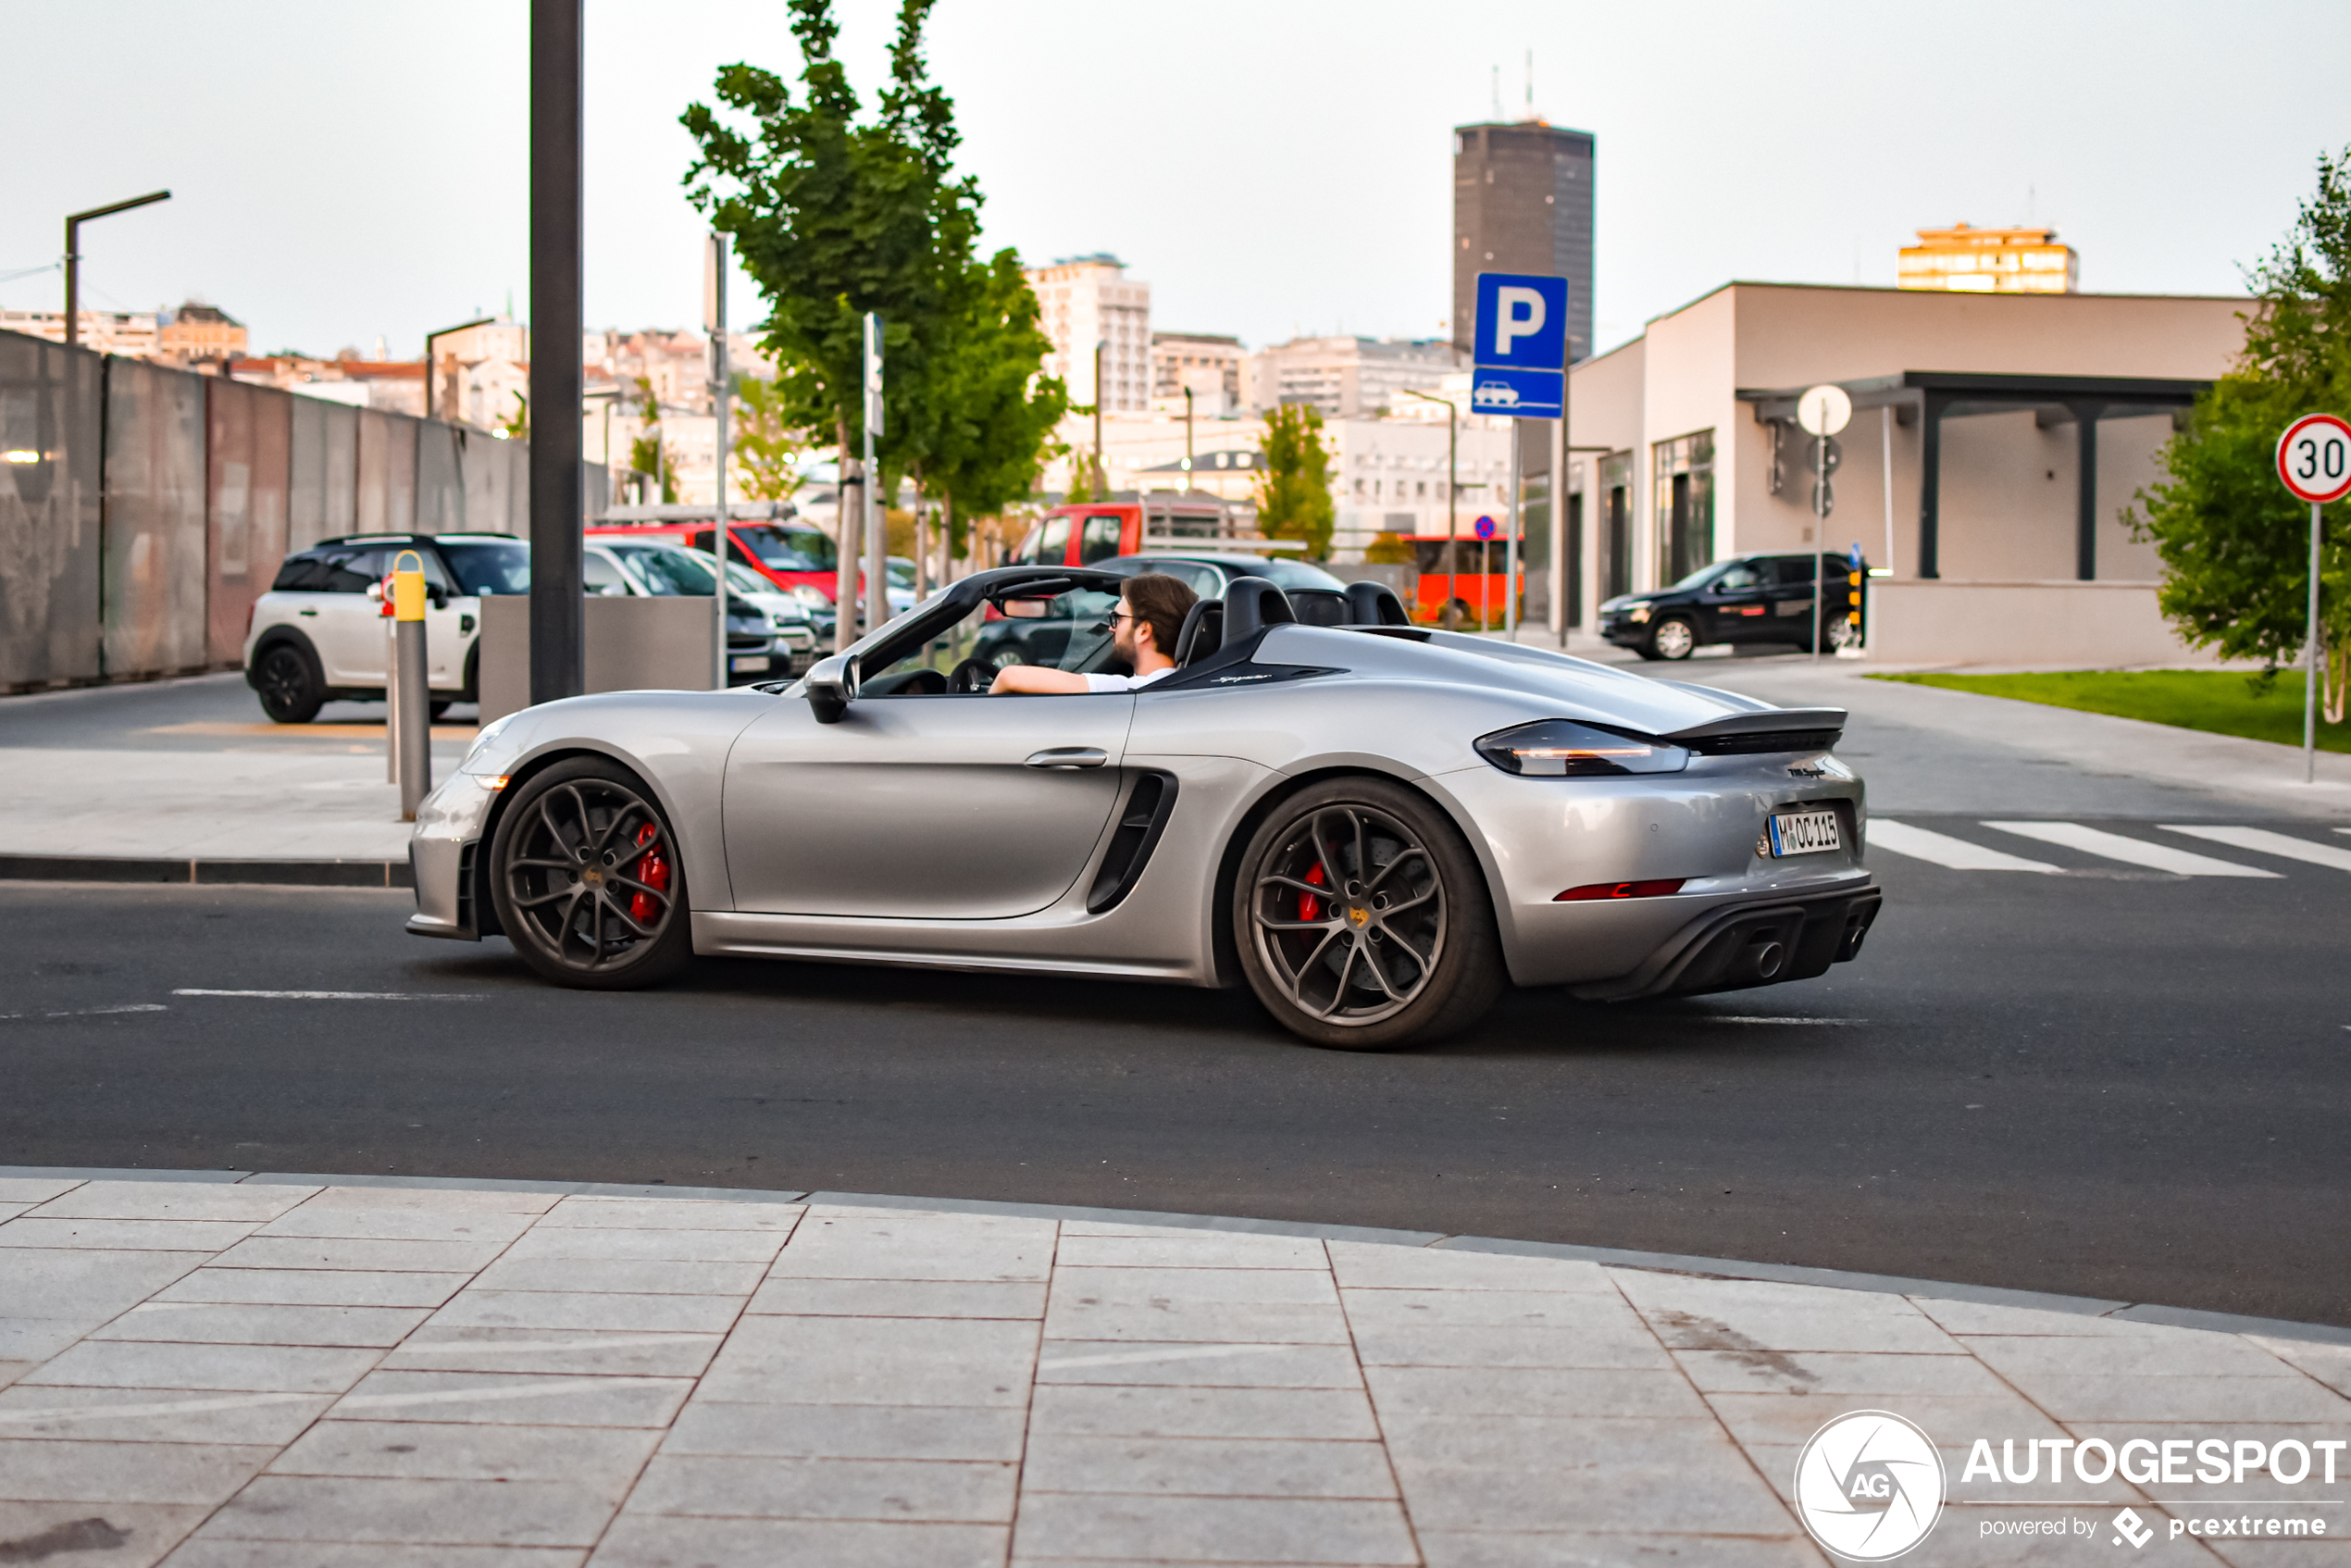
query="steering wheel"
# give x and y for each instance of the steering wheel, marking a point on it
(971, 677)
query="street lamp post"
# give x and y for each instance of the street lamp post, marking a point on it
(1188, 440)
(1452, 490)
(73, 255)
(1100, 481)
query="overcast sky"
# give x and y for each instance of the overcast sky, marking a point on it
(341, 171)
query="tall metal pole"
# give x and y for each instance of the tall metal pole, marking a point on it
(1452, 491)
(877, 529)
(720, 398)
(558, 646)
(1510, 553)
(1188, 440)
(1558, 508)
(1871, 613)
(1100, 481)
(2310, 675)
(1820, 547)
(73, 255)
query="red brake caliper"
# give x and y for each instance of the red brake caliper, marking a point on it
(1308, 906)
(653, 870)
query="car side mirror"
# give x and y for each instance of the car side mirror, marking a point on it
(831, 684)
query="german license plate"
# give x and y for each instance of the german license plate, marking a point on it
(748, 664)
(1803, 832)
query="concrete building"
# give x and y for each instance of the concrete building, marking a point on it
(1087, 300)
(1997, 440)
(1207, 366)
(198, 333)
(129, 333)
(1346, 377)
(1989, 261)
(458, 352)
(1522, 203)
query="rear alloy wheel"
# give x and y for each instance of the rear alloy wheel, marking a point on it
(288, 685)
(1674, 637)
(1363, 920)
(586, 880)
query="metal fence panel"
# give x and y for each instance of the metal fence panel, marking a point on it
(339, 513)
(387, 471)
(245, 490)
(441, 493)
(50, 400)
(154, 521)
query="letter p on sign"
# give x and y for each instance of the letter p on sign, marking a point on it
(1522, 321)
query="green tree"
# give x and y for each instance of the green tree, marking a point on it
(2234, 543)
(1294, 490)
(766, 447)
(834, 216)
(647, 455)
(1084, 484)
(991, 414)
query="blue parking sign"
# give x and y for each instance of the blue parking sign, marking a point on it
(1522, 321)
(1516, 395)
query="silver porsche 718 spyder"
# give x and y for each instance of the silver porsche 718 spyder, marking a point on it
(1378, 826)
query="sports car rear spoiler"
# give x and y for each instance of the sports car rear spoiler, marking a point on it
(1770, 729)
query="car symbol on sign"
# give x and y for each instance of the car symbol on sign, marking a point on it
(1500, 393)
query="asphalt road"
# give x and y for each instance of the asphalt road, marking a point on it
(2117, 1086)
(2112, 1082)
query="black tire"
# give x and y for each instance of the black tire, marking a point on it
(1648, 653)
(471, 691)
(289, 683)
(1674, 637)
(1434, 960)
(440, 705)
(571, 918)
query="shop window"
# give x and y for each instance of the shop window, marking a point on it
(1684, 490)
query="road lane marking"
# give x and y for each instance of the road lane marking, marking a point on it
(1941, 848)
(2130, 852)
(1766, 1018)
(343, 996)
(94, 1011)
(2283, 845)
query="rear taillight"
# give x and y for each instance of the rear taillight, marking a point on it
(1655, 888)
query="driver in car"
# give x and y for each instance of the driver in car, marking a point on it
(1143, 629)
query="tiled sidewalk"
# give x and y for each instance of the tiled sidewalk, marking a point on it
(253, 1374)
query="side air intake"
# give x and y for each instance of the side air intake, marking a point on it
(1141, 822)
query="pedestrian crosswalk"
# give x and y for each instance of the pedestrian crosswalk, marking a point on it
(2152, 853)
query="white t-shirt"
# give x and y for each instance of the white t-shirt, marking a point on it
(1125, 682)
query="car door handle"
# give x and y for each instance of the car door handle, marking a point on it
(1069, 756)
(305, 611)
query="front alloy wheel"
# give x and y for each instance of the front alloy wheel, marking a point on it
(586, 880)
(1363, 920)
(290, 690)
(1673, 638)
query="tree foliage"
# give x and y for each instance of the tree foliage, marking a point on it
(2234, 543)
(767, 447)
(990, 413)
(1294, 490)
(647, 455)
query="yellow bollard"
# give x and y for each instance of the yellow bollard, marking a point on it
(411, 700)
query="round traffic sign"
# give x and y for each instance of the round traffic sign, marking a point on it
(1485, 527)
(2314, 457)
(1823, 410)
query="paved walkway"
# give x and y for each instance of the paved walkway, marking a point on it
(218, 1373)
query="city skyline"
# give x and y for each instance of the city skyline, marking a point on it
(1302, 188)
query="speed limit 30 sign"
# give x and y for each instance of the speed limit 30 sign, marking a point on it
(2314, 458)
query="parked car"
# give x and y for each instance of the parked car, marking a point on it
(1747, 599)
(794, 558)
(318, 636)
(1378, 829)
(1318, 598)
(759, 646)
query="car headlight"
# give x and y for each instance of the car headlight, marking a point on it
(812, 597)
(1638, 612)
(1559, 748)
(488, 733)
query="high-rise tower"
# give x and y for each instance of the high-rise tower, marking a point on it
(1522, 203)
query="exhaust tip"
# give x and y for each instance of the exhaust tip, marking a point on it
(1766, 959)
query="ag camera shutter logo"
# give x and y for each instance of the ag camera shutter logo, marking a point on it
(1868, 1485)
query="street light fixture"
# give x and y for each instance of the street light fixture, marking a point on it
(1452, 490)
(73, 255)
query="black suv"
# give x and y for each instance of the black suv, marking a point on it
(1760, 598)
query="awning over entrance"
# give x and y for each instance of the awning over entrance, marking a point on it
(1937, 395)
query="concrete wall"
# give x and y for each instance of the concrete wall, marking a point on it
(2079, 625)
(632, 645)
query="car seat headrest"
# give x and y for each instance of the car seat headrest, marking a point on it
(1251, 603)
(1374, 604)
(1202, 631)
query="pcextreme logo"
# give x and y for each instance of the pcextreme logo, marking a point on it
(1868, 1485)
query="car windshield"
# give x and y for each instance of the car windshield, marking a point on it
(740, 577)
(666, 569)
(902, 573)
(484, 567)
(1068, 631)
(1697, 579)
(787, 550)
(1297, 574)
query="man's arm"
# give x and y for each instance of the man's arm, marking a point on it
(1037, 680)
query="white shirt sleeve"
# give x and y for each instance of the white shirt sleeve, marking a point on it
(1123, 682)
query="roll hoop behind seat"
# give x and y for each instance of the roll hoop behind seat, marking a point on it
(1374, 604)
(1251, 603)
(1202, 632)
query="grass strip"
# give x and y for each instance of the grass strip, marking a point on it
(2220, 702)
